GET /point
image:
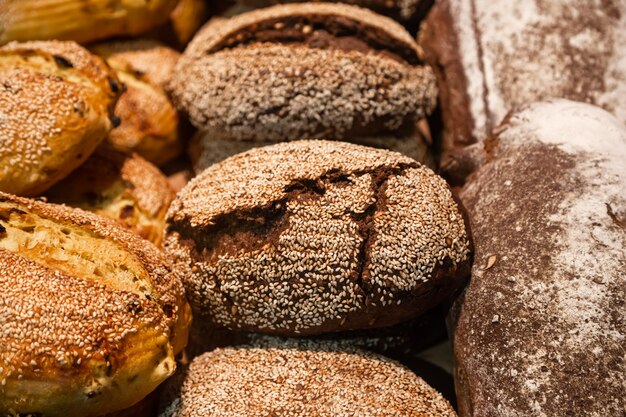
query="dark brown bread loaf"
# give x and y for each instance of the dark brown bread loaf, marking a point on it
(299, 379)
(307, 70)
(310, 237)
(541, 328)
(491, 56)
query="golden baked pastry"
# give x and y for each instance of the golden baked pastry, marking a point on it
(79, 20)
(149, 121)
(184, 22)
(56, 106)
(126, 188)
(92, 315)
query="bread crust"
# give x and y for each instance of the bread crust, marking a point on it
(77, 20)
(149, 122)
(309, 237)
(57, 104)
(300, 378)
(205, 150)
(539, 330)
(485, 52)
(95, 313)
(126, 188)
(314, 70)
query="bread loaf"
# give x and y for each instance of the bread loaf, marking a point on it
(299, 379)
(541, 328)
(79, 20)
(311, 237)
(92, 314)
(313, 70)
(493, 55)
(126, 188)
(56, 106)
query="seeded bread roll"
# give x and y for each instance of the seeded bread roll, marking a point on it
(79, 20)
(541, 328)
(299, 379)
(310, 237)
(311, 70)
(149, 121)
(92, 314)
(126, 188)
(56, 106)
(205, 150)
(485, 53)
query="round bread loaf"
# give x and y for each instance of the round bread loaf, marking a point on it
(126, 188)
(79, 20)
(205, 150)
(312, 70)
(92, 315)
(310, 237)
(56, 106)
(149, 121)
(299, 379)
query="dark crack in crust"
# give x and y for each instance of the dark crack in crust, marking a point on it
(315, 245)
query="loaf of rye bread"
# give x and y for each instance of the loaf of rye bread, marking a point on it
(491, 56)
(542, 325)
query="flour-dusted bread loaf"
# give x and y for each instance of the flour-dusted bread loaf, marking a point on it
(542, 326)
(306, 70)
(92, 315)
(310, 237)
(126, 188)
(149, 123)
(299, 379)
(56, 106)
(491, 56)
(79, 20)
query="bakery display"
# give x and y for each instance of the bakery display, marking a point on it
(126, 188)
(79, 20)
(92, 314)
(56, 106)
(540, 330)
(310, 237)
(310, 70)
(316, 218)
(492, 56)
(204, 150)
(299, 379)
(149, 123)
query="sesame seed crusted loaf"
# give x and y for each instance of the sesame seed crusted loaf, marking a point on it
(149, 122)
(542, 325)
(205, 150)
(126, 188)
(79, 20)
(303, 378)
(309, 237)
(485, 53)
(56, 105)
(92, 314)
(307, 70)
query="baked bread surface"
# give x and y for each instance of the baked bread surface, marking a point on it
(309, 237)
(93, 314)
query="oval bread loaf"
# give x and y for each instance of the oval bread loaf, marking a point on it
(92, 314)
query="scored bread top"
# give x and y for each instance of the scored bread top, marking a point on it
(93, 313)
(303, 378)
(317, 236)
(216, 35)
